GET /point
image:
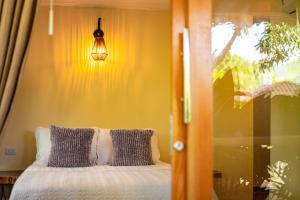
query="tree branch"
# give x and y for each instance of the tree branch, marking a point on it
(217, 60)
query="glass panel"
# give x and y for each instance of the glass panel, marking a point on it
(256, 76)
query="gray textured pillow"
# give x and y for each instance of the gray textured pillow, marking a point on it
(70, 147)
(131, 147)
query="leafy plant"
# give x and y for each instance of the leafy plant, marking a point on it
(278, 44)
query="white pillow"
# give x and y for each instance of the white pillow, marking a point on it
(155, 148)
(43, 146)
(105, 147)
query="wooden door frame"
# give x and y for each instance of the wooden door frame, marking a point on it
(192, 167)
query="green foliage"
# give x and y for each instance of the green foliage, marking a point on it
(221, 69)
(278, 43)
(245, 73)
(279, 48)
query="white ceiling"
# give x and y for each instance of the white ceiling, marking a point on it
(128, 4)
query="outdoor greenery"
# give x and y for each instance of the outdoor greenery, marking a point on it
(258, 55)
(245, 73)
(278, 44)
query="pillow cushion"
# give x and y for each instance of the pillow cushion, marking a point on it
(101, 150)
(105, 149)
(131, 147)
(43, 146)
(70, 147)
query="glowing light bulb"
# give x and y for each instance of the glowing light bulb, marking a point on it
(99, 51)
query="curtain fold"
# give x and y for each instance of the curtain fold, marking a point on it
(16, 22)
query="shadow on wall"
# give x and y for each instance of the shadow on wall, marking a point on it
(62, 85)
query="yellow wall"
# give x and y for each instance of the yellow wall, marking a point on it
(62, 85)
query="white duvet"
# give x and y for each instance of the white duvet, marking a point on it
(98, 182)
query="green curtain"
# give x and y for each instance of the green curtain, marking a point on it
(16, 23)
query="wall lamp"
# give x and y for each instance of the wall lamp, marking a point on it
(99, 51)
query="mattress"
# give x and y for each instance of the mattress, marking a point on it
(97, 182)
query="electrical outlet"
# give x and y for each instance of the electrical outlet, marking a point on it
(10, 151)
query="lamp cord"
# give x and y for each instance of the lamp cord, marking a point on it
(99, 23)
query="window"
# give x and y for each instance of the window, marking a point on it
(264, 59)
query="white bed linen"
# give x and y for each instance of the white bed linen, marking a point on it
(97, 182)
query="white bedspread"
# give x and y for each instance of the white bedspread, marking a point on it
(98, 182)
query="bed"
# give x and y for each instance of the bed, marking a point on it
(97, 182)
(101, 181)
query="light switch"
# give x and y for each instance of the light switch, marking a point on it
(10, 151)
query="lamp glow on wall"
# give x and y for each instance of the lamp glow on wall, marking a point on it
(99, 51)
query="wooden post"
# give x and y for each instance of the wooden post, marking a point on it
(179, 21)
(199, 155)
(192, 167)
